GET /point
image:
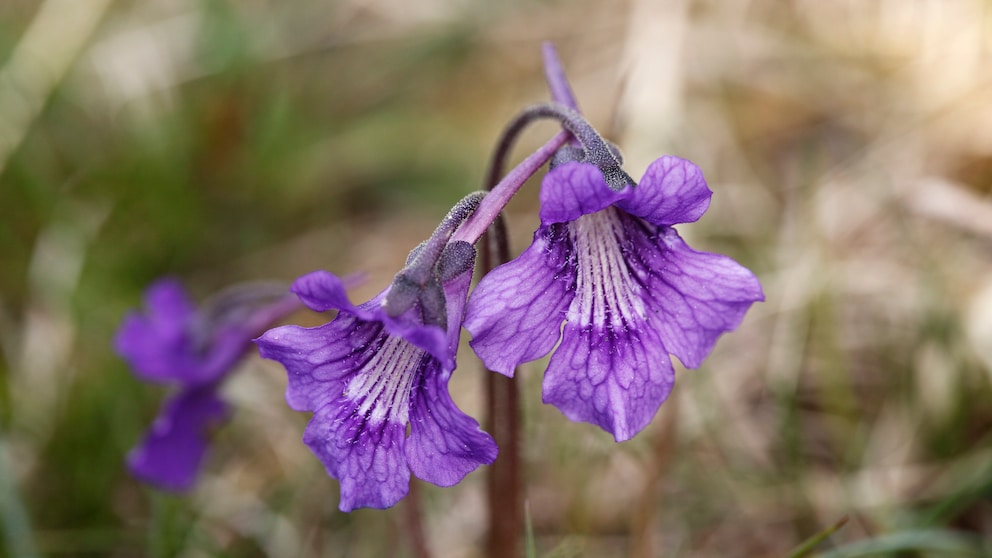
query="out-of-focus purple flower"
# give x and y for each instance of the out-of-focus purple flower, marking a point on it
(608, 264)
(175, 344)
(370, 375)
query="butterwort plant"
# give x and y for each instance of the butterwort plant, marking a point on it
(608, 263)
(383, 366)
(608, 288)
(193, 350)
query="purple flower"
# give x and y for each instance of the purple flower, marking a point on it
(630, 291)
(368, 376)
(173, 343)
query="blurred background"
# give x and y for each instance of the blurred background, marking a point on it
(849, 146)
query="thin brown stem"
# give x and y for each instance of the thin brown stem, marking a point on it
(413, 522)
(645, 519)
(504, 486)
(506, 513)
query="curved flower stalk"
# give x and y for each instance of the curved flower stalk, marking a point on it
(194, 350)
(382, 367)
(608, 263)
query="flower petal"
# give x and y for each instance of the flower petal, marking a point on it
(672, 191)
(613, 379)
(319, 360)
(167, 300)
(172, 450)
(445, 444)
(573, 190)
(322, 291)
(151, 357)
(366, 457)
(515, 312)
(696, 296)
(156, 343)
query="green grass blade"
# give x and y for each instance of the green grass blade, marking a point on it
(811, 543)
(943, 542)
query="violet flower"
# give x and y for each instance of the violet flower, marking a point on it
(382, 368)
(607, 262)
(193, 350)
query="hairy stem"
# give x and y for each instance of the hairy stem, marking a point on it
(494, 202)
(597, 151)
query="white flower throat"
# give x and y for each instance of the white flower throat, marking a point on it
(606, 295)
(382, 387)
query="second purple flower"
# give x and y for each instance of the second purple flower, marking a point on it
(608, 264)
